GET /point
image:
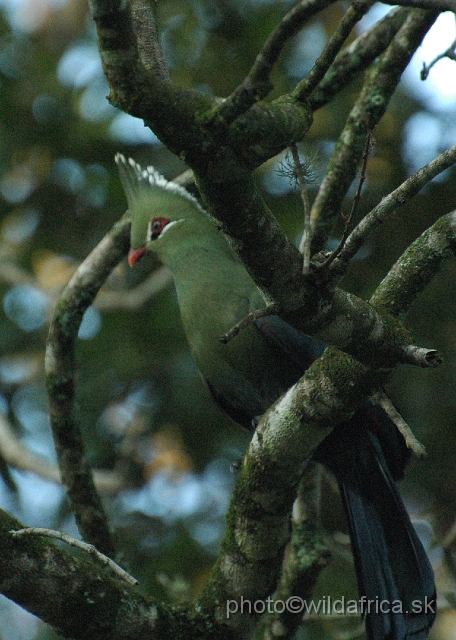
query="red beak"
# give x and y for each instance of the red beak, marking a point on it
(135, 255)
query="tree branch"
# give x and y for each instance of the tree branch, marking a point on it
(148, 40)
(356, 57)
(257, 84)
(354, 14)
(380, 83)
(250, 560)
(81, 599)
(306, 555)
(60, 373)
(389, 205)
(434, 5)
(417, 266)
(78, 544)
(118, 48)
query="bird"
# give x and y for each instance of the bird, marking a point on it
(366, 454)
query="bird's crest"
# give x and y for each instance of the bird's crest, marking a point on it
(137, 181)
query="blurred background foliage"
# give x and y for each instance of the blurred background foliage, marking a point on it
(165, 449)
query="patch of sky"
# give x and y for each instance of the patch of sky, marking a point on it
(79, 65)
(17, 623)
(425, 136)
(306, 45)
(27, 306)
(182, 498)
(438, 91)
(13, 370)
(90, 325)
(181, 43)
(29, 407)
(69, 174)
(17, 184)
(21, 226)
(129, 130)
(93, 105)
(40, 499)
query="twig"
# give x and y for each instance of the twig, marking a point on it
(426, 358)
(354, 14)
(350, 62)
(356, 199)
(411, 441)
(380, 83)
(305, 245)
(389, 205)
(257, 84)
(449, 53)
(108, 300)
(270, 310)
(60, 374)
(20, 457)
(435, 5)
(78, 544)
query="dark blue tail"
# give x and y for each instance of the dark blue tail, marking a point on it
(395, 579)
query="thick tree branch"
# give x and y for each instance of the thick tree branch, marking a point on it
(306, 555)
(137, 75)
(268, 128)
(60, 374)
(82, 599)
(381, 82)
(118, 49)
(258, 520)
(78, 544)
(148, 39)
(417, 266)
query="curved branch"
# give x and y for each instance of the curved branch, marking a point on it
(389, 205)
(60, 373)
(417, 266)
(258, 520)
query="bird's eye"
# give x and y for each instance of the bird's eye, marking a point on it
(156, 226)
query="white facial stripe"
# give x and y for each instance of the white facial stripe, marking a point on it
(169, 225)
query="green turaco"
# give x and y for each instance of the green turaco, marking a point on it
(246, 375)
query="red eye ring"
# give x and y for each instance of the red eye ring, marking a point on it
(156, 227)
